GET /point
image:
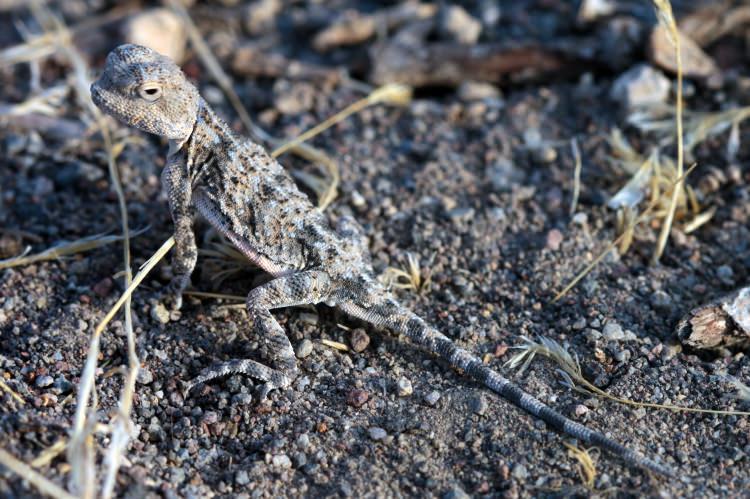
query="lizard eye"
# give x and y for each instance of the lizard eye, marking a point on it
(150, 92)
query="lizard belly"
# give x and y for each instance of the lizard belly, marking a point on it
(207, 207)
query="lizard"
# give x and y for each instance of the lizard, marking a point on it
(247, 196)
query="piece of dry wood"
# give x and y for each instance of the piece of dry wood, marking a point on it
(450, 64)
(719, 324)
(713, 21)
(354, 27)
(254, 61)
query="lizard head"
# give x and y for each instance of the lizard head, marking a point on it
(148, 91)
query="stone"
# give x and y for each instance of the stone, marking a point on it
(613, 331)
(304, 349)
(695, 62)
(160, 313)
(159, 29)
(432, 398)
(377, 434)
(458, 24)
(640, 86)
(359, 340)
(404, 387)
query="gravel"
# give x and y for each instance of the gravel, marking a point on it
(459, 183)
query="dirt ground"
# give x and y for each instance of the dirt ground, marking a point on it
(478, 187)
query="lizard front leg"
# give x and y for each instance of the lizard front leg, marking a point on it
(304, 288)
(176, 183)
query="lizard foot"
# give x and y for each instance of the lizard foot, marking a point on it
(171, 294)
(273, 378)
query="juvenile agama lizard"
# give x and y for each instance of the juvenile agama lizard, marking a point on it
(249, 197)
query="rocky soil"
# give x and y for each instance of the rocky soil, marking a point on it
(473, 178)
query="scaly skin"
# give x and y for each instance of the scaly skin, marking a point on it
(251, 199)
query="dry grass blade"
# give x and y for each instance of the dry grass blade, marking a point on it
(698, 125)
(664, 13)
(218, 296)
(142, 273)
(392, 93)
(50, 453)
(626, 231)
(410, 277)
(576, 175)
(572, 377)
(586, 465)
(336, 345)
(61, 250)
(10, 392)
(81, 454)
(34, 478)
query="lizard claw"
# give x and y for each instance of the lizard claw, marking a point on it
(171, 295)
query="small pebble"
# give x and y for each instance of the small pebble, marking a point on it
(241, 478)
(613, 331)
(581, 410)
(210, 417)
(304, 348)
(160, 313)
(520, 473)
(377, 433)
(554, 239)
(357, 398)
(359, 340)
(404, 387)
(432, 398)
(661, 301)
(282, 461)
(44, 381)
(479, 405)
(145, 376)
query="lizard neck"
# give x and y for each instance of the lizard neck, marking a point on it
(209, 134)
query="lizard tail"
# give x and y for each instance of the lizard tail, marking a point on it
(391, 315)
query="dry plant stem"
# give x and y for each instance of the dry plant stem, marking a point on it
(80, 445)
(142, 273)
(390, 92)
(576, 175)
(34, 478)
(572, 372)
(336, 345)
(587, 468)
(666, 8)
(218, 296)
(58, 251)
(10, 391)
(640, 218)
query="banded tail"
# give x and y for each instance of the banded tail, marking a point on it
(389, 314)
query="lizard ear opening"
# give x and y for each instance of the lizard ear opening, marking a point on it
(150, 92)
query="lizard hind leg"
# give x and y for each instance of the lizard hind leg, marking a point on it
(303, 288)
